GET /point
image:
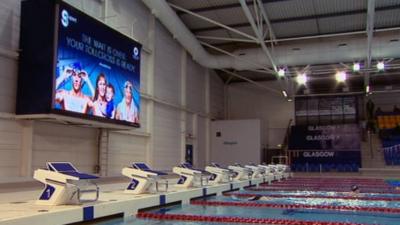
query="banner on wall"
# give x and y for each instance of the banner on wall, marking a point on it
(345, 137)
(322, 157)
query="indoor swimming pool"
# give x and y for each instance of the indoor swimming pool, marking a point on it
(215, 214)
(280, 207)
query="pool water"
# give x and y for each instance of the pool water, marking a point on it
(276, 213)
(321, 193)
(323, 201)
(308, 206)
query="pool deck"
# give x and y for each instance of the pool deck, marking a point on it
(16, 208)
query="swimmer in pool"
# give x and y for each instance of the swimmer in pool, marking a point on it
(252, 198)
(355, 190)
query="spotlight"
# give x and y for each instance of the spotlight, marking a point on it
(341, 76)
(367, 89)
(356, 67)
(380, 65)
(281, 72)
(284, 94)
(301, 79)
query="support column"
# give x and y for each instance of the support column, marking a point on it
(103, 152)
(226, 102)
(208, 118)
(150, 90)
(103, 135)
(26, 148)
(196, 139)
(183, 103)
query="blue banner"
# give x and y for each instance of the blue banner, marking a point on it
(344, 137)
(344, 157)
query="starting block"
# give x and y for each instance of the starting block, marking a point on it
(219, 174)
(241, 172)
(257, 172)
(142, 178)
(188, 175)
(64, 184)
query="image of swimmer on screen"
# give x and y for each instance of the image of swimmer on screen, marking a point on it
(126, 109)
(110, 108)
(74, 100)
(99, 98)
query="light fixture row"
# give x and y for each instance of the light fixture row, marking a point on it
(340, 76)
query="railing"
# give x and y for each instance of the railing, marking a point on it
(282, 159)
(391, 155)
(285, 142)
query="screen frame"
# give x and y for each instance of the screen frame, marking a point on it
(58, 6)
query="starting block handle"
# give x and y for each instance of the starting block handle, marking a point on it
(80, 192)
(204, 178)
(165, 183)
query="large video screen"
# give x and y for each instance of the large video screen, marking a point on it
(97, 69)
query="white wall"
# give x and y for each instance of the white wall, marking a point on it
(195, 86)
(167, 137)
(57, 142)
(10, 148)
(124, 149)
(160, 139)
(217, 91)
(386, 101)
(167, 83)
(9, 38)
(200, 150)
(239, 141)
(247, 101)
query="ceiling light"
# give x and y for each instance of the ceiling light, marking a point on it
(284, 94)
(380, 65)
(367, 89)
(356, 67)
(301, 79)
(341, 76)
(289, 99)
(281, 72)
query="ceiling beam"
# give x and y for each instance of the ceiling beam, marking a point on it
(323, 35)
(370, 34)
(227, 6)
(301, 18)
(267, 21)
(218, 24)
(370, 29)
(272, 90)
(225, 39)
(258, 33)
(237, 57)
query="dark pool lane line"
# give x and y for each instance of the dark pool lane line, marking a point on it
(296, 206)
(366, 198)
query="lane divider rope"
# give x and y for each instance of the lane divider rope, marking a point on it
(233, 219)
(315, 196)
(296, 206)
(327, 184)
(336, 189)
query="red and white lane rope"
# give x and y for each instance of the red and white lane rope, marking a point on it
(233, 219)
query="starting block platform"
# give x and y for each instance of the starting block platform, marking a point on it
(111, 201)
(64, 184)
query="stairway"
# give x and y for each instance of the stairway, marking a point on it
(373, 163)
(375, 158)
